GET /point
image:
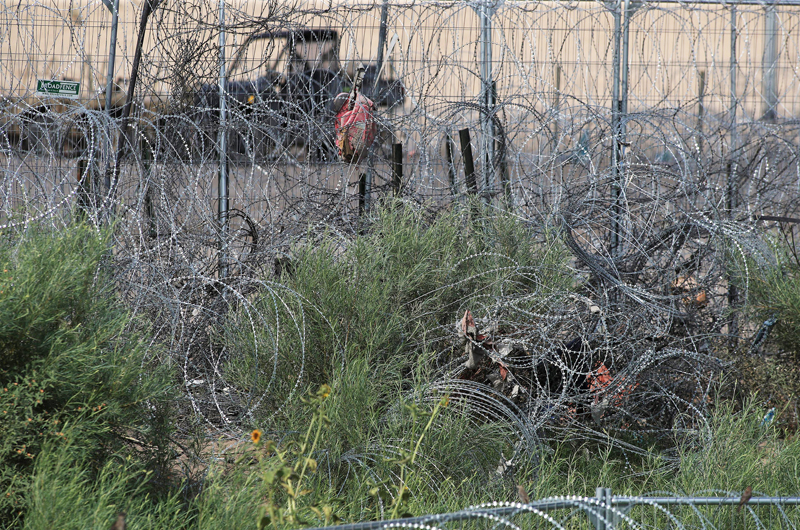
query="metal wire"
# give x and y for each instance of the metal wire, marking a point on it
(706, 144)
(610, 512)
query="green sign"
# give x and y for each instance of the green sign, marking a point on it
(61, 89)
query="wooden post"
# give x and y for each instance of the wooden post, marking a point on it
(557, 104)
(397, 167)
(469, 162)
(149, 209)
(500, 147)
(451, 167)
(83, 178)
(362, 194)
(701, 108)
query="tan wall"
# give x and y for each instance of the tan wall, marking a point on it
(438, 49)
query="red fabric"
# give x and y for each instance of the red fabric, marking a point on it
(355, 128)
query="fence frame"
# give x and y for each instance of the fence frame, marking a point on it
(605, 511)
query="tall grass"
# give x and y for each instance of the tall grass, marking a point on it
(75, 369)
(768, 359)
(367, 316)
(86, 426)
(739, 451)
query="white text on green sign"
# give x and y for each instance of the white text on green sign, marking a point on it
(63, 89)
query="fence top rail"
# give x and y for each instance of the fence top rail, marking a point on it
(637, 3)
(503, 509)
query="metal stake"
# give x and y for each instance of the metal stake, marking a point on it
(368, 175)
(485, 13)
(112, 55)
(732, 184)
(616, 155)
(222, 137)
(769, 63)
(469, 163)
(397, 168)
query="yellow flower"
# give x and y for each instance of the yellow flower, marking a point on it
(255, 436)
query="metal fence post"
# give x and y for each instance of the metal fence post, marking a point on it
(601, 514)
(731, 190)
(112, 54)
(734, 100)
(701, 108)
(626, 25)
(768, 64)
(381, 45)
(486, 95)
(615, 145)
(619, 110)
(368, 175)
(733, 73)
(222, 137)
(123, 137)
(112, 51)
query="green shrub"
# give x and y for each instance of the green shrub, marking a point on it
(369, 316)
(737, 450)
(776, 293)
(771, 368)
(383, 299)
(69, 490)
(75, 368)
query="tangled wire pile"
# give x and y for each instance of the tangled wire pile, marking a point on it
(650, 199)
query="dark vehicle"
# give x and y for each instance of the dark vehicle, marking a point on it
(294, 106)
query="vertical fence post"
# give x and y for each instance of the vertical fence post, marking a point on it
(84, 183)
(733, 73)
(123, 137)
(701, 108)
(733, 67)
(487, 126)
(112, 51)
(731, 190)
(146, 151)
(223, 155)
(469, 162)
(769, 60)
(603, 517)
(451, 167)
(615, 145)
(397, 168)
(624, 70)
(555, 197)
(557, 104)
(368, 175)
(620, 109)
(381, 45)
(500, 146)
(112, 54)
(362, 194)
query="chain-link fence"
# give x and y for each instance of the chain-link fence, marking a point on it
(699, 88)
(652, 136)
